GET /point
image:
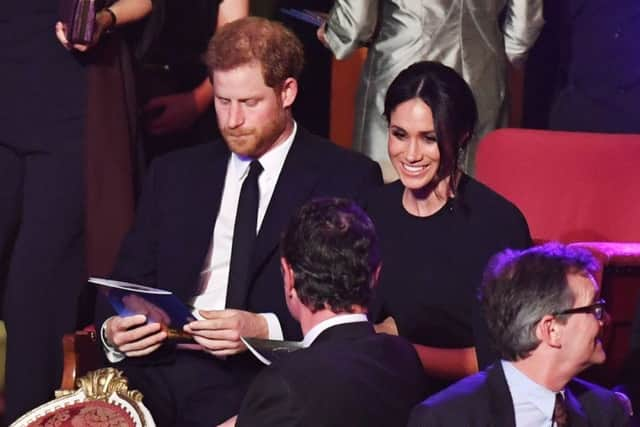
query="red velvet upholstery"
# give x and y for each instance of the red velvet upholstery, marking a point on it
(583, 188)
(102, 399)
(571, 186)
(87, 414)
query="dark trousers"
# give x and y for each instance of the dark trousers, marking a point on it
(196, 389)
(42, 264)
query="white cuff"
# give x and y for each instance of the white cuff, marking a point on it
(273, 324)
(112, 353)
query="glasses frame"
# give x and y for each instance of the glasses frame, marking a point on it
(598, 309)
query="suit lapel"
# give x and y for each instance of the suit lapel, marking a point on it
(296, 182)
(577, 416)
(501, 402)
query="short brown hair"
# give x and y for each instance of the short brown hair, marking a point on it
(240, 42)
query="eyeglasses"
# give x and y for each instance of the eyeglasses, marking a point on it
(597, 309)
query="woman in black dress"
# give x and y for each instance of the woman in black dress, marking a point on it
(437, 226)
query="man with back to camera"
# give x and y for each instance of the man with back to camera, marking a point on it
(544, 312)
(348, 375)
(208, 228)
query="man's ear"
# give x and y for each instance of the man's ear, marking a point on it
(549, 331)
(289, 92)
(287, 277)
(376, 276)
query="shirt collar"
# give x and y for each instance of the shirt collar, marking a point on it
(524, 389)
(339, 319)
(271, 161)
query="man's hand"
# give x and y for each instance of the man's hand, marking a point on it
(219, 333)
(153, 313)
(177, 112)
(132, 336)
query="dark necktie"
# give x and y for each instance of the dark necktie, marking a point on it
(560, 412)
(244, 237)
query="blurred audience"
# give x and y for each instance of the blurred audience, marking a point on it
(469, 36)
(53, 123)
(175, 91)
(584, 74)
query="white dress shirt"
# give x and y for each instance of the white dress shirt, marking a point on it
(339, 319)
(532, 403)
(214, 294)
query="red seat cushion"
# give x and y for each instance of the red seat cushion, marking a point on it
(86, 414)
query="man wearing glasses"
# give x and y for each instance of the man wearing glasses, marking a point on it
(544, 313)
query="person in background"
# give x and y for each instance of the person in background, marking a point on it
(468, 36)
(51, 125)
(346, 374)
(545, 314)
(437, 226)
(584, 74)
(176, 94)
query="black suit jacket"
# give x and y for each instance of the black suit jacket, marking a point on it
(349, 376)
(169, 241)
(484, 400)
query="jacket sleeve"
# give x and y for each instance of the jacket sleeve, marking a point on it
(522, 25)
(351, 25)
(270, 401)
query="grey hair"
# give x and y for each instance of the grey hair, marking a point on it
(521, 287)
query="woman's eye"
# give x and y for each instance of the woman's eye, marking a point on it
(398, 134)
(430, 138)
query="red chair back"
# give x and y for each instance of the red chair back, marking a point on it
(571, 186)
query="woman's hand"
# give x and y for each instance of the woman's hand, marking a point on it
(387, 326)
(103, 21)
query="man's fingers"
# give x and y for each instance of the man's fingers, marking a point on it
(217, 314)
(143, 344)
(123, 323)
(122, 338)
(217, 346)
(215, 334)
(144, 352)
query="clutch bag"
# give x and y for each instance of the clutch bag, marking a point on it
(79, 17)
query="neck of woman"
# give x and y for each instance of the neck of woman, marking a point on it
(428, 200)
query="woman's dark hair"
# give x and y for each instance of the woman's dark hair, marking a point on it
(451, 102)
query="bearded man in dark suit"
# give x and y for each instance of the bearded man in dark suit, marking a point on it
(188, 224)
(545, 314)
(348, 375)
